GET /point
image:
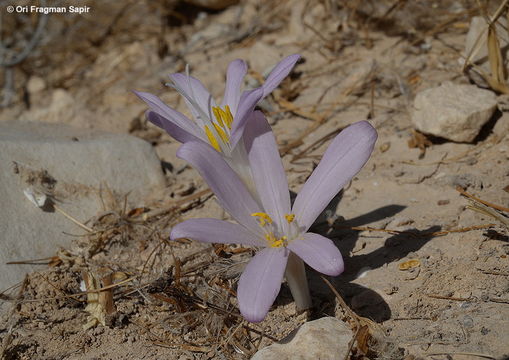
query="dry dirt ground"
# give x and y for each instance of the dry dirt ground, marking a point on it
(360, 60)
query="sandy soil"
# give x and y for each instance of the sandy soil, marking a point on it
(177, 300)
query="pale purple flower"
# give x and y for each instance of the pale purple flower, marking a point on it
(218, 125)
(270, 222)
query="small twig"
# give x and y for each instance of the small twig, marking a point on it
(489, 272)
(174, 205)
(350, 313)
(500, 301)
(317, 142)
(462, 353)
(414, 234)
(494, 206)
(82, 293)
(441, 297)
(83, 226)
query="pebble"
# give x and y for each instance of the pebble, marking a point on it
(325, 338)
(35, 85)
(467, 321)
(454, 112)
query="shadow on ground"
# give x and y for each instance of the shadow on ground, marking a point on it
(364, 301)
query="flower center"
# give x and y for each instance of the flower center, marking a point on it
(273, 235)
(219, 133)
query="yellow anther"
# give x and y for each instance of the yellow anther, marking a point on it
(290, 218)
(263, 218)
(212, 139)
(223, 117)
(228, 119)
(273, 242)
(221, 133)
(217, 114)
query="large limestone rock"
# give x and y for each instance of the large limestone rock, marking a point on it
(454, 112)
(71, 166)
(325, 338)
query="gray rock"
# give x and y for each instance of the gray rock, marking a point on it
(454, 112)
(70, 166)
(325, 338)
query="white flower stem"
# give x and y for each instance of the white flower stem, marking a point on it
(295, 274)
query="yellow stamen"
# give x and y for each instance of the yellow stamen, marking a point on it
(223, 117)
(221, 133)
(290, 218)
(217, 114)
(263, 218)
(212, 139)
(273, 242)
(228, 119)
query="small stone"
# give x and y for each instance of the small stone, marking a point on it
(468, 322)
(454, 112)
(385, 146)
(325, 338)
(35, 84)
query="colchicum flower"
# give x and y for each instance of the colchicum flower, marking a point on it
(270, 222)
(220, 126)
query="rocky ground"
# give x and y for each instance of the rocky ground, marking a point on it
(422, 227)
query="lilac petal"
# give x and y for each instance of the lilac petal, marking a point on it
(198, 99)
(224, 182)
(247, 103)
(171, 128)
(237, 69)
(166, 112)
(215, 231)
(344, 158)
(319, 252)
(280, 71)
(266, 167)
(260, 282)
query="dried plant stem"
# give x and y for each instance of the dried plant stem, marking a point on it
(90, 230)
(494, 206)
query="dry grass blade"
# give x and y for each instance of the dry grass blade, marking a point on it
(495, 57)
(469, 354)
(364, 328)
(484, 207)
(476, 199)
(496, 79)
(417, 234)
(99, 301)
